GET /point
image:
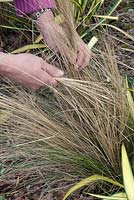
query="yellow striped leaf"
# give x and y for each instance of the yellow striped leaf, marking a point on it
(29, 47)
(118, 196)
(130, 100)
(128, 178)
(88, 180)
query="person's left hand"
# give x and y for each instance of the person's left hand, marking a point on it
(51, 30)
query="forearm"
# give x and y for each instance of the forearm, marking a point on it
(4, 62)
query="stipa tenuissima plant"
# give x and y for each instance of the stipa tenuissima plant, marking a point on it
(76, 133)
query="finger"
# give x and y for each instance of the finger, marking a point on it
(34, 87)
(87, 58)
(80, 59)
(46, 79)
(52, 70)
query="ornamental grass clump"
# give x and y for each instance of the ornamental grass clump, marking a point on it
(75, 134)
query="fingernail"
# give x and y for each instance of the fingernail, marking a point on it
(59, 73)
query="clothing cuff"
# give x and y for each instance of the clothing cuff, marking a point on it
(29, 6)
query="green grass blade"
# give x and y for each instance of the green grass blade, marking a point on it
(16, 28)
(128, 178)
(2, 198)
(84, 5)
(108, 13)
(76, 3)
(88, 180)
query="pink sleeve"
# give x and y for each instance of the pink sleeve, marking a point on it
(28, 6)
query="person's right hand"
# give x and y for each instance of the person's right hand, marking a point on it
(30, 71)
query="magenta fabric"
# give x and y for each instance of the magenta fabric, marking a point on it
(28, 6)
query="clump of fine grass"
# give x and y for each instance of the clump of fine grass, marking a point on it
(79, 134)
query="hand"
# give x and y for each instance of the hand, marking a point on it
(83, 54)
(54, 36)
(30, 71)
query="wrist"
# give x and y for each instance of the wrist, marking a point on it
(46, 18)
